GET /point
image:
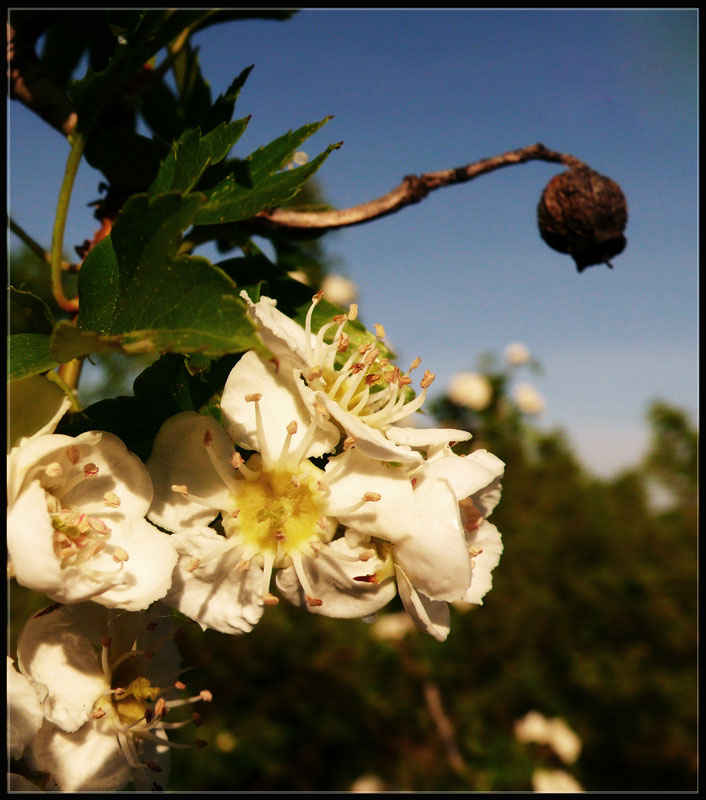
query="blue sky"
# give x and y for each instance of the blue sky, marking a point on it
(465, 271)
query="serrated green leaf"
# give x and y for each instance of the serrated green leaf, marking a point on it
(194, 91)
(231, 201)
(28, 354)
(222, 110)
(272, 157)
(132, 284)
(192, 153)
(126, 159)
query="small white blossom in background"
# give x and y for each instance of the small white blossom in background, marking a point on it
(555, 781)
(339, 290)
(471, 390)
(393, 627)
(367, 783)
(535, 727)
(517, 354)
(299, 275)
(527, 399)
(297, 160)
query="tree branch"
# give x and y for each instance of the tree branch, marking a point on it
(28, 82)
(412, 189)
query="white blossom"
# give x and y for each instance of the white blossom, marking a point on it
(528, 399)
(517, 354)
(24, 712)
(452, 549)
(339, 290)
(554, 732)
(104, 674)
(275, 510)
(360, 389)
(555, 781)
(471, 390)
(76, 527)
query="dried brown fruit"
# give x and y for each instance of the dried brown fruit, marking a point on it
(583, 214)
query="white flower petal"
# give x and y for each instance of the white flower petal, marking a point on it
(146, 575)
(430, 616)
(283, 337)
(466, 474)
(435, 558)
(391, 517)
(208, 587)
(24, 712)
(60, 662)
(179, 457)
(425, 437)
(89, 759)
(279, 405)
(332, 581)
(369, 441)
(487, 539)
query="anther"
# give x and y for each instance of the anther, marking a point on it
(313, 374)
(193, 565)
(427, 379)
(111, 499)
(366, 578)
(99, 713)
(348, 442)
(371, 497)
(292, 428)
(53, 470)
(343, 342)
(317, 297)
(371, 379)
(379, 331)
(243, 566)
(279, 536)
(314, 601)
(270, 600)
(206, 695)
(160, 708)
(417, 361)
(252, 398)
(90, 471)
(207, 438)
(321, 410)
(153, 765)
(106, 641)
(72, 454)
(353, 312)
(196, 719)
(179, 685)
(120, 555)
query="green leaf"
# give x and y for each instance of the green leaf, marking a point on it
(135, 46)
(69, 342)
(132, 284)
(35, 313)
(192, 153)
(29, 354)
(222, 109)
(231, 200)
(194, 91)
(127, 159)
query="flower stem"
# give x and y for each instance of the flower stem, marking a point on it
(78, 144)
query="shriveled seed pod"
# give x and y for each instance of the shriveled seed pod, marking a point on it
(583, 214)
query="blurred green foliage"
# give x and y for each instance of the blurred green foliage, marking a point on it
(592, 617)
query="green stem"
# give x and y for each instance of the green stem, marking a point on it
(78, 144)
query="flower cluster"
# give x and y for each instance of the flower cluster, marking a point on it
(306, 488)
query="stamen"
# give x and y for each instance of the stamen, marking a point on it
(227, 478)
(379, 331)
(72, 454)
(299, 569)
(53, 470)
(238, 462)
(267, 459)
(111, 499)
(291, 430)
(353, 312)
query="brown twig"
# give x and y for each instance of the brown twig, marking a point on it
(444, 727)
(28, 81)
(412, 189)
